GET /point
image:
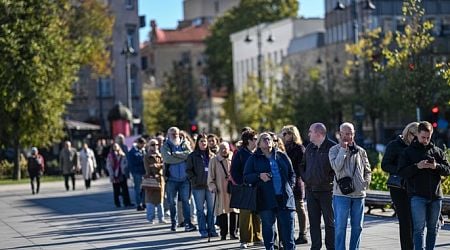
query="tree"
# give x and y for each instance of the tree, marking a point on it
(42, 53)
(152, 108)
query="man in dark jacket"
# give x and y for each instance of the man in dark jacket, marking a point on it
(422, 164)
(135, 159)
(318, 176)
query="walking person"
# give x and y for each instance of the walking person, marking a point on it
(249, 221)
(116, 163)
(218, 179)
(153, 164)
(318, 175)
(35, 166)
(397, 185)
(423, 164)
(88, 164)
(68, 161)
(197, 171)
(135, 159)
(294, 149)
(349, 161)
(271, 171)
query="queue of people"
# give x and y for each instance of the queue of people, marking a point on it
(332, 177)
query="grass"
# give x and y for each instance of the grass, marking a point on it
(44, 178)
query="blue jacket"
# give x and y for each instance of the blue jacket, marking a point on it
(238, 164)
(266, 199)
(135, 159)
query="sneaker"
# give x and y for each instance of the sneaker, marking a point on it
(214, 234)
(234, 237)
(301, 240)
(173, 228)
(181, 224)
(189, 228)
(151, 222)
(243, 245)
(163, 221)
(140, 208)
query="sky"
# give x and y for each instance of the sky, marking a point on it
(168, 12)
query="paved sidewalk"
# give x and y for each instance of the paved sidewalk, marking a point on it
(88, 219)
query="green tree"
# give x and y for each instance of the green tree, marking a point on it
(41, 59)
(152, 108)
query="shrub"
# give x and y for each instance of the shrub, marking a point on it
(379, 178)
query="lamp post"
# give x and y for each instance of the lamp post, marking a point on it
(128, 51)
(358, 110)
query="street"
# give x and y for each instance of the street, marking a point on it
(88, 219)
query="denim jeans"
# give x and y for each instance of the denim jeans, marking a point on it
(425, 212)
(151, 211)
(182, 189)
(205, 222)
(137, 179)
(343, 207)
(285, 220)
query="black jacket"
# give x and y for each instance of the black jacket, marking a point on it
(238, 164)
(196, 169)
(295, 153)
(423, 182)
(391, 155)
(315, 168)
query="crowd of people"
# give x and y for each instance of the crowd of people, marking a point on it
(175, 176)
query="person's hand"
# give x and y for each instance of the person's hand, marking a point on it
(431, 165)
(344, 144)
(265, 177)
(423, 164)
(213, 190)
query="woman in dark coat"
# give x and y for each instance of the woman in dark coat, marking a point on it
(271, 171)
(398, 193)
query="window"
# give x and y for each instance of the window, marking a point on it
(445, 28)
(387, 25)
(134, 80)
(216, 7)
(131, 36)
(104, 87)
(129, 4)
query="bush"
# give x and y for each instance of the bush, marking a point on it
(52, 168)
(7, 168)
(379, 178)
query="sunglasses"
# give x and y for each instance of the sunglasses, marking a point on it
(153, 144)
(286, 133)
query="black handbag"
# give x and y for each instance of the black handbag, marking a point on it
(346, 183)
(243, 197)
(395, 181)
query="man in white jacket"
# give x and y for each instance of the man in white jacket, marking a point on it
(349, 161)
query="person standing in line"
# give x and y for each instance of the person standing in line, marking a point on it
(35, 166)
(197, 171)
(318, 175)
(88, 164)
(249, 221)
(175, 152)
(154, 168)
(68, 161)
(423, 165)
(213, 143)
(399, 194)
(135, 158)
(294, 149)
(218, 179)
(272, 173)
(349, 160)
(116, 163)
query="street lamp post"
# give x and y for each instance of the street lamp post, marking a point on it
(128, 51)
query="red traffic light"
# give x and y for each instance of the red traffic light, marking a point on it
(435, 124)
(435, 110)
(194, 128)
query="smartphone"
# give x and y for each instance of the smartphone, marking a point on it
(430, 160)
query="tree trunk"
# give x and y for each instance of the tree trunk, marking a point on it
(16, 174)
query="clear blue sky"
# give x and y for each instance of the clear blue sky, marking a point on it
(168, 12)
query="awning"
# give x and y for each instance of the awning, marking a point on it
(77, 125)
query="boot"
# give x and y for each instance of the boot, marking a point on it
(301, 239)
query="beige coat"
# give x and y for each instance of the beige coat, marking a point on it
(217, 181)
(153, 165)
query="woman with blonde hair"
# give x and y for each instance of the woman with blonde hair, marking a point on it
(396, 183)
(116, 164)
(295, 149)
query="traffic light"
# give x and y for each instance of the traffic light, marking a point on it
(194, 128)
(435, 116)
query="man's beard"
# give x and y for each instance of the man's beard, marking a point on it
(176, 141)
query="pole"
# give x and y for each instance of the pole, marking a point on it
(259, 44)
(128, 76)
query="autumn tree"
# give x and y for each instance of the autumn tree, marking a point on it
(43, 44)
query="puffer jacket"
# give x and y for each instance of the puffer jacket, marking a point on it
(423, 182)
(344, 163)
(266, 197)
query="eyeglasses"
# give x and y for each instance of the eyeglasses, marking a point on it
(266, 139)
(286, 133)
(153, 144)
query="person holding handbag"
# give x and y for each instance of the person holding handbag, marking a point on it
(396, 184)
(218, 181)
(197, 172)
(351, 166)
(153, 165)
(271, 171)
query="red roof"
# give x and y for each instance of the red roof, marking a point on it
(191, 34)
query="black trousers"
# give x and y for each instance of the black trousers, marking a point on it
(38, 183)
(403, 210)
(87, 183)
(66, 181)
(222, 222)
(320, 204)
(121, 188)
